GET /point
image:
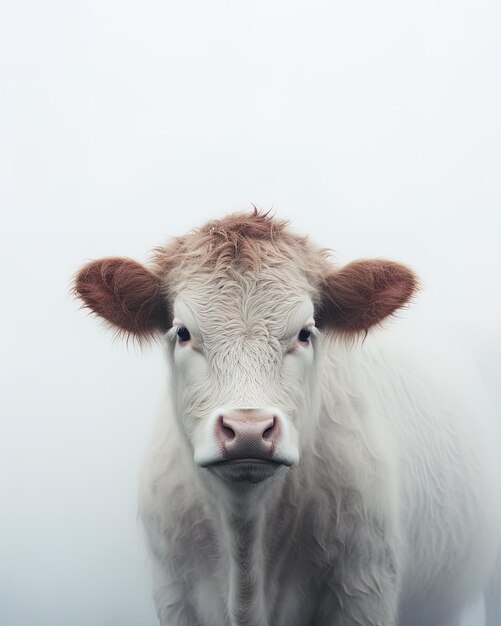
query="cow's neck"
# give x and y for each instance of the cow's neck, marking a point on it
(246, 597)
(244, 515)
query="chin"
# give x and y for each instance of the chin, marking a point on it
(251, 471)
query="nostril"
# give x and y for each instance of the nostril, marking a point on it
(228, 432)
(268, 433)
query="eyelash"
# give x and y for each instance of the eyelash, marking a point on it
(180, 333)
(312, 331)
(183, 333)
(304, 335)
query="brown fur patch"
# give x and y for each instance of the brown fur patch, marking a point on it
(363, 293)
(241, 226)
(243, 240)
(124, 293)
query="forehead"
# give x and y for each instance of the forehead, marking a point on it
(245, 270)
(275, 300)
(237, 248)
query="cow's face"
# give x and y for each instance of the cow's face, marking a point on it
(243, 351)
(243, 321)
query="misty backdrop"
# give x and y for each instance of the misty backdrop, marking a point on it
(374, 126)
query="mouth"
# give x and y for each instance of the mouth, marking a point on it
(245, 470)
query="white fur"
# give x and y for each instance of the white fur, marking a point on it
(392, 511)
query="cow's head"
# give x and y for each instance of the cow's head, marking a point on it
(243, 305)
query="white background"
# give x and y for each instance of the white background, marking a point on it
(373, 126)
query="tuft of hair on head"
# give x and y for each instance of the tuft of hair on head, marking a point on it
(257, 225)
(362, 294)
(245, 240)
(125, 294)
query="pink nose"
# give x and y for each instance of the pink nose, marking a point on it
(247, 434)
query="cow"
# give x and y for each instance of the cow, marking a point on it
(311, 467)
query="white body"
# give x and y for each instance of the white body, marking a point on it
(394, 508)
(302, 475)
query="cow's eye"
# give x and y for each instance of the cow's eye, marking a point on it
(304, 335)
(183, 333)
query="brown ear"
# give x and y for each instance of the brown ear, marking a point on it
(125, 293)
(363, 293)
